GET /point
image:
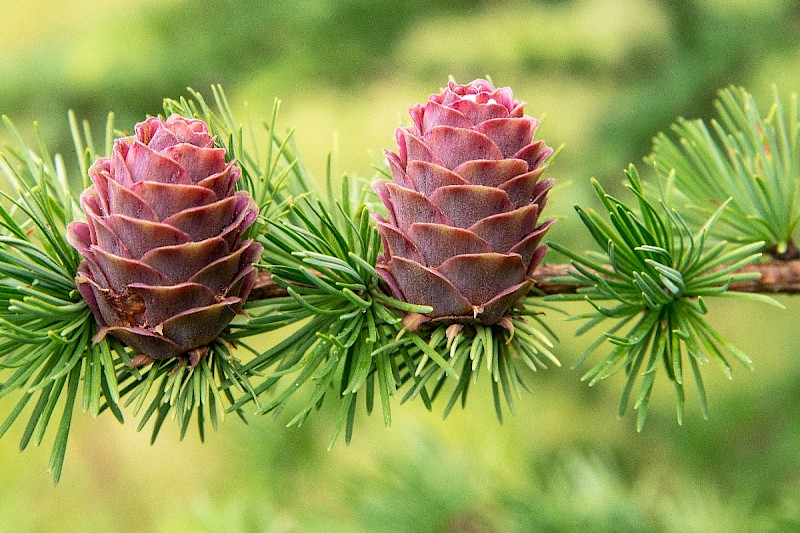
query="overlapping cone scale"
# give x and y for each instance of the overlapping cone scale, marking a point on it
(463, 233)
(165, 265)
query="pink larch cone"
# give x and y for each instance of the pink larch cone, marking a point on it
(165, 268)
(462, 234)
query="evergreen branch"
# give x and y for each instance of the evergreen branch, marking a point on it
(650, 282)
(319, 265)
(661, 272)
(771, 277)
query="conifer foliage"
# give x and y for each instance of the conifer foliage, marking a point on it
(146, 290)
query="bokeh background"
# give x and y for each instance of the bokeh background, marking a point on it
(605, 75)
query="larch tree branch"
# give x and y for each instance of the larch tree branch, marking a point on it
(777, 277)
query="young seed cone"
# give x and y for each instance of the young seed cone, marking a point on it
(165, 268)
(462, 233)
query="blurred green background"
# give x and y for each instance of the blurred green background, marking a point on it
(605, 75)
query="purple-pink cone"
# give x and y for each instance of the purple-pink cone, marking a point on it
(462, 234)
(165, 268)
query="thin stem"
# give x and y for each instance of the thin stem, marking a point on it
(777, 277)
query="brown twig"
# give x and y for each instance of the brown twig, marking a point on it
(777, 277)
(546, 275)
(265, 288)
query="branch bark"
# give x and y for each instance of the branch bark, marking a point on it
(777, 277)
(265, 287)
